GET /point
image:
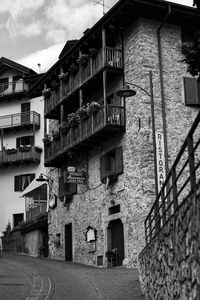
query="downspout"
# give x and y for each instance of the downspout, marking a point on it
(162, 88)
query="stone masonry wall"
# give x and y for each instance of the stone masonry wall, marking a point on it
(170, 265)
(135, 188)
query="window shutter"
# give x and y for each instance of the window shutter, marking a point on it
(71, 188)
(191, 90)
(61, 186)
(103, 172)
(17, 183)
(119, 160)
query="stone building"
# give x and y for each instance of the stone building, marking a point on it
(101, 152)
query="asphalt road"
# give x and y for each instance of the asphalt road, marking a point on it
(28, 278)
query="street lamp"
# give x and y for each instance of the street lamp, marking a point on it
(42, 178)
(126, 92)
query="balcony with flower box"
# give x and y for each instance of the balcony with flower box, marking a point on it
(17, 88)
(84, 132)
(82, 72)
(22, 155)
(30, 119)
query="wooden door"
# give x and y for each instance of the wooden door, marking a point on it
(25, 111)
(68, 242)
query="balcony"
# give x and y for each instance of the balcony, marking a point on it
(34, 210)
(107, 122)
(88, 69)
(17, 121)
(24, 155)
(18, 88)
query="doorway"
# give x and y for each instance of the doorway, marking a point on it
(68, 242)
(116, 241)
(25, 113)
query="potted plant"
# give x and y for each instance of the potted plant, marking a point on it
(64, 76)
(46, 139)
(64, 127)
(55, 85)
(73, 119)
(46, 93)
(55, 134)
(83, 112)
(83, 58)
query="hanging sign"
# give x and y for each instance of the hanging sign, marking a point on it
(160, 158)
(74, 177)
(71, 169)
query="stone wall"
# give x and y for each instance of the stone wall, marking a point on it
(135, 189)
(170, 265)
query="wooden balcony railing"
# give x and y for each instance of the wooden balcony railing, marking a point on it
(35, 210)
(13, 87)
(111, 117)
(181, 181)
(113, 59)
(22, 155)
(20, 119)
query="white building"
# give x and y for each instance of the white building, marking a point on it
(22, 128)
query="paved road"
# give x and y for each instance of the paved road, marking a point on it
(27, 278)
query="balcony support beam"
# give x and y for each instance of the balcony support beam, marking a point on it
(104, 95)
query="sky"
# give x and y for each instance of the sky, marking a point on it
(34, 32)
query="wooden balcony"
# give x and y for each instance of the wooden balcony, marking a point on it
(24, 155)
(107, 122)
(9, 89)
(112, 60)
(17, 121)
(34, 210)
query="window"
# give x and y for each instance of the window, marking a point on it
(111, 163)
(25, 140)
(191, 91)
(22, 181)
(17, 218)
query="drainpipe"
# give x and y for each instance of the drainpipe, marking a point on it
(162, 88)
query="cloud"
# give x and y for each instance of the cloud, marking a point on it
(16, 8)
(46, 57)
(56, 35)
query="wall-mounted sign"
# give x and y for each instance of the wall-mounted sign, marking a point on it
(53, 201)
(90, 234)
(160, 158)
(71, 169)
(74, 177)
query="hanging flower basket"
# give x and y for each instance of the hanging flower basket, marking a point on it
(83, 58)
(94, 107)
(64, 76)
(83, 112)
(55, 85)
(46, 139)
(55, 134)
(73, 120)
(46, 93)
(64, 127)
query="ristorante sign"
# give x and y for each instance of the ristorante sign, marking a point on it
(160, 158)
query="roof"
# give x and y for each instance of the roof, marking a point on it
(6, 63)
(67, 47)
(31, 187)
(125, 13)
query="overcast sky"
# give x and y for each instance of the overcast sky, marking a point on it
(35, 31)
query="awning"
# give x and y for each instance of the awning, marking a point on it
(32, 186)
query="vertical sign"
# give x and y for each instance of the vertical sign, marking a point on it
(160, 157)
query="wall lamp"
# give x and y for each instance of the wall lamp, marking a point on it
(126, 92)
(42, 178)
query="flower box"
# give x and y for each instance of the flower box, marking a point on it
(11, 151)
(46, 93)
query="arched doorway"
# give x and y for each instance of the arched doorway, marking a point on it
(116, 240)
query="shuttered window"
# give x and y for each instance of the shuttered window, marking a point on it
(191, 91)
(22, 181)
(66, 189)
(111, 163)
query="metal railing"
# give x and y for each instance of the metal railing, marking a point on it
(13, 87)
(20, 119)
(112, 58)
(111, 115)
(180, 182)
(15, 156)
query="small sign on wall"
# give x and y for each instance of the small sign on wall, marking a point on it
(90, 234)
